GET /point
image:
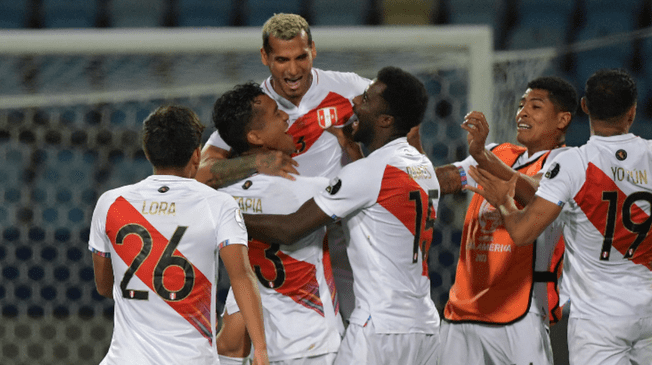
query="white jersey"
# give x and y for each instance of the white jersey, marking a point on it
(328, 101)
(608, 262)
(387, 201)
(163, 236)
(295, 288)
(547, 240)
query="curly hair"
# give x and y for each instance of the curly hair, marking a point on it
(406, 97)
(610, 93)
(285, 27)
(233, 112)
(171, 134)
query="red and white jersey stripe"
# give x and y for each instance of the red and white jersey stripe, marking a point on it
(298, 305)
(163, 235)
(327, 101)
(608, 189)
(388, 201)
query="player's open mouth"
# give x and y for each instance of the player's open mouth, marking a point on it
(293, 84)
(521, 126)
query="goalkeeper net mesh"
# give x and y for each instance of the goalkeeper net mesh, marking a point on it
(71, 110)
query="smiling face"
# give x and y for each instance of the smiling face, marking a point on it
(539, 123)
(368, 107)
(269, 126)
(290, 63)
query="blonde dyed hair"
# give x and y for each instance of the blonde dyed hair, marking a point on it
(285, 27)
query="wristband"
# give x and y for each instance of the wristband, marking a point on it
(462, 175)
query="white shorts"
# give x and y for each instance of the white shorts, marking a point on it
(362, 345)
(521, 343)
(324, 359)
(611, 342)
(230, 305)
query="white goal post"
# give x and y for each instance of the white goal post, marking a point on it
(476, 41)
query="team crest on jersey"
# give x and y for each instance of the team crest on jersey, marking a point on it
(334, 186)
(247, 184)
(552, 171)
(163, 189)
(621, 155)
(327, 117)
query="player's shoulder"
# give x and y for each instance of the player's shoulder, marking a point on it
(343, 79)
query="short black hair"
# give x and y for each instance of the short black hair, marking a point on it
(406, 97)
(232, 113)
(171, 134)
(561, 92)
(610, 93)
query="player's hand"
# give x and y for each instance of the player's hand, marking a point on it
(414, 139)
(276, 163)
(260, 357)
(476, 124)
(496, 191)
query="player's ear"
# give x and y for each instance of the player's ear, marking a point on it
(585, 109)
(564, 120)
(264, 57)
(254, 138)
(313, 50)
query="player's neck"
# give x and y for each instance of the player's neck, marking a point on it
(604, 129)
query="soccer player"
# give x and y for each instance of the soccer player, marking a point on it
(155, 249)
(387, 202)
(298, 307)
(604, 189)
(498, 308)
(313, 99)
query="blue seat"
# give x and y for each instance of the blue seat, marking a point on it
(475, 12)
(258, 11)
(204, 13)
(330, 12)
(13, 14)
(545, 14)
(136, 14)
(524, 37)
(69, 13)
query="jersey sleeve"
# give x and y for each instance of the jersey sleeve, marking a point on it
(353, 189)
(99, 242)
(563, 178)
(217, 141)
(229, 227)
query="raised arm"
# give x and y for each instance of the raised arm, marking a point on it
(245, 289)
(215, 170)
(476, 124)
(525, 225)
(286, 229)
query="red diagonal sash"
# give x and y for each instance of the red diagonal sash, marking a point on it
(290, 277)
(195, 307)
(394, 196)
(590, 200)
(306, 130)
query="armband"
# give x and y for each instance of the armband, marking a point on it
(462, 175)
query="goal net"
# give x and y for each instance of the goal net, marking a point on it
(71, 110)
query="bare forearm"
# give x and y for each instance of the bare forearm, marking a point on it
(286, 229)
(245, 290)
(526, 186)
(219, 172)
(449, 179)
